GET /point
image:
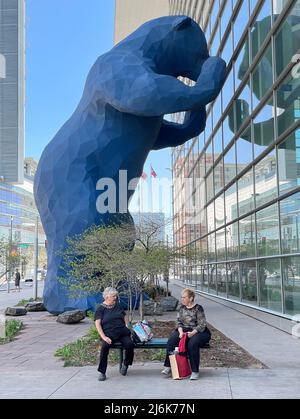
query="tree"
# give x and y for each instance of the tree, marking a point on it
(104, 256)
(10, 257)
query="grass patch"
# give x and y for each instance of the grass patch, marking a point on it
(22, 303)
(12, 328)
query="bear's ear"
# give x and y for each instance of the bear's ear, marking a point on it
(181, 23)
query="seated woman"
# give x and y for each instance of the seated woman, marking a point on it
(190, 319)
(111, 325)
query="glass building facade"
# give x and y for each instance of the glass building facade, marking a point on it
(236, 198)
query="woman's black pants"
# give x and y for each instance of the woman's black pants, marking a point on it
(127, 344)
(193, 347)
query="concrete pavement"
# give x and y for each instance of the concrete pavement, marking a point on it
(28, 368)
(13, 297)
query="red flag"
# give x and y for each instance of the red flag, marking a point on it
(153, 173)
(144, 176)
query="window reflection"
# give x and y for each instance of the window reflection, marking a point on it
(263, 74)
(221, 244)
(267, 231)
(231, 203)
(220, 212)
(247, 237)
(232, 240)
(246, 193)
(221, 279)
(289, 163)
(244, 150)
(211, 242)
(270, 284)
(263, 128)
(229, 164)
(287, 40)
(266, 179)
(290, 224)
(219, 176)
(249, 281)
(291, 278)
(233, 279)
(261, 28)
(212, 279)
(288, 103)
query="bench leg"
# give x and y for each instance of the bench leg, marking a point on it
(121, 359)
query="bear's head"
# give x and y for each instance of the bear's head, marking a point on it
(176, 44)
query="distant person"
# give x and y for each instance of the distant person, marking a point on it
(111, 325)
(17, 280)
(190, 320)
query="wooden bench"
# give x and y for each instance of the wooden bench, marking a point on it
(154, 343)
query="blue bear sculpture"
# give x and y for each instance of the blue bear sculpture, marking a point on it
(118, 121)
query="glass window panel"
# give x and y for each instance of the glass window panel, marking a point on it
(247, 237)
(289, 164)
(244, 150)
(218, 143)
(221, 244)
(217, 110)
(241, 22)
(263, 128)
(269, 272)
(225, 18)
(229, 165)
(291, 280)
(221, 279)
(205, 278)
(211, 242)
(211, 217)
(267, 231)
(220, 212)
(233, 279)
(290, 224)
(287, 39)
(242, 107)
(231, 203)
(209, 126)
(212, 279)
(288, 103)
(210, 186)
(228, 90)
(261, 28)
(219, 176)
(228, 127)
(246, 193)
(266, 179)
(228, 48)
(249, 281)
(209, 156)
(263, 75)
(241, 64)
(232, 240)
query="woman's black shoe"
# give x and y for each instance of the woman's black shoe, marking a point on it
(124, 369)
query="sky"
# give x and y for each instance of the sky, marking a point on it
(63, 40)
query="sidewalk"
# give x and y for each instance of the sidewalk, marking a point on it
(12, 298)
(28, 368)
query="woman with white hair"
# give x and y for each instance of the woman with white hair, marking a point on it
(110, 321)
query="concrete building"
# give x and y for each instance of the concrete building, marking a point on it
(12, 86)
(241, 217)
(130, 14)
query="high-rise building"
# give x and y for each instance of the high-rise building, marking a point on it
(130, 14)
(241, 216)
(12, 86)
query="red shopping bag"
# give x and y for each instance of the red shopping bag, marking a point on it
(180, 366)
(182, 344)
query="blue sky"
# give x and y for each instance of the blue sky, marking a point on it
(63, 40)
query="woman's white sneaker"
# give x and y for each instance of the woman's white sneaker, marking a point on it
(166, 371)
(194, 376)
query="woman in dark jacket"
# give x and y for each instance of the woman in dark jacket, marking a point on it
(191, 320)
(110, 321)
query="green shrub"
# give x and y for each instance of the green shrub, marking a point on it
(12, 328)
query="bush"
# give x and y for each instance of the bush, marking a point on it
(12, 328)
(155, 291)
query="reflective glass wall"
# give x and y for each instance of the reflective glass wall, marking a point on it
(243, 199)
